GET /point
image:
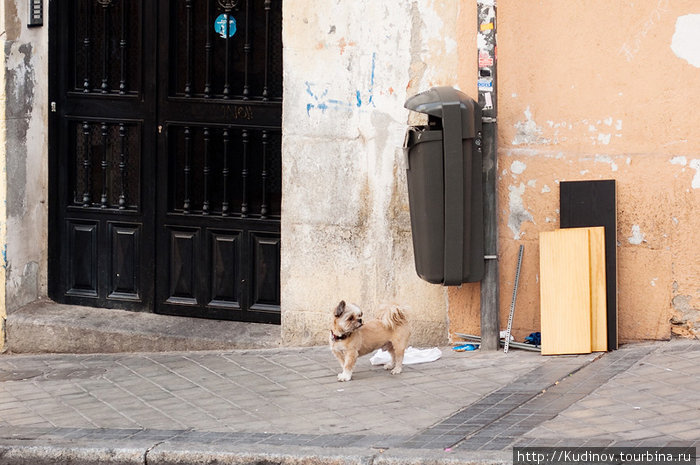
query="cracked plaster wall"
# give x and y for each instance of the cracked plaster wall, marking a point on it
(585, 95)
(24, 157)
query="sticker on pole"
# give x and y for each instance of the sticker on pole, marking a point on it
(485, 85)
(485, 59)
(223, 27)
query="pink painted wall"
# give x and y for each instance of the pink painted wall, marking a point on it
(599, 90)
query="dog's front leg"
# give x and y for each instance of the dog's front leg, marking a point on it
(340, 356)
(348, 365)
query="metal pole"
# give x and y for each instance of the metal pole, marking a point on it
(486, 46)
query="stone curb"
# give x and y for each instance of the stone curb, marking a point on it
(19, 453)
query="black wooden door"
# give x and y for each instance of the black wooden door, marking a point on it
(165, 159)
(219, 145)
(102, 128)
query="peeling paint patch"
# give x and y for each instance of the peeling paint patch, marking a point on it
(606, 159)
(684, 317)
(604, 138)
(695, 164)
(517, 167)
(528, 132)
(450, 45)
(682, 304)
(518, 214)
(686, 39)
(637, 236)
(600, 131)
(679, 161)
(546, 189)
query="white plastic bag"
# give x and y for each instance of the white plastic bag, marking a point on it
(410, 357)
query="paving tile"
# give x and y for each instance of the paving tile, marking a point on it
(479, 399)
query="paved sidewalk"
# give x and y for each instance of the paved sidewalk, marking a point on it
(285, 406)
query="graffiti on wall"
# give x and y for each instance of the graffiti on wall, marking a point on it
(324, 98)
(632, 47)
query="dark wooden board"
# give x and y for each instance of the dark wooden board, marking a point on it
(593, 203)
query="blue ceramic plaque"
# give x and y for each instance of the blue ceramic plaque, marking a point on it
(221, 28)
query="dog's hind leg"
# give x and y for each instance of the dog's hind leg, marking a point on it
(389, 347)
(397, 357)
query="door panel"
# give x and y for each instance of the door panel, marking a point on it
(183, 267)
(126, 258)
(224, 269)
(82, 248)
(105, 169)
(209, 61)
(106, 43)
(265, 277)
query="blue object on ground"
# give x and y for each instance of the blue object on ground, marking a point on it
(464, 347)
(534, 339)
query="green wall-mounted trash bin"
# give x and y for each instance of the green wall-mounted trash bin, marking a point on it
(444, 187)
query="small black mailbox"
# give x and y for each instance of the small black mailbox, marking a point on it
(444, 187)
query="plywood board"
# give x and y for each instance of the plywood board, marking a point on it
(599, 332)
(565, 292)
(593, 203)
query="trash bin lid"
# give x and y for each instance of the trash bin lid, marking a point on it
(432, 102)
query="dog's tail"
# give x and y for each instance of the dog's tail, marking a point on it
(393, 316)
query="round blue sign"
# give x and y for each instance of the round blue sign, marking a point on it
(221, 28)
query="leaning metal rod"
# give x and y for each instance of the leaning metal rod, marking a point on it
(515, 295)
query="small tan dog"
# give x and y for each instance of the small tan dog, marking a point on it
(351, 338)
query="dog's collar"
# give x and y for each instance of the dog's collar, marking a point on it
(339, 338)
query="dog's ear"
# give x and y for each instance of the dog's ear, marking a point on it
(340, 309)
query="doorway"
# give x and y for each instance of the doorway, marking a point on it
(165, 156)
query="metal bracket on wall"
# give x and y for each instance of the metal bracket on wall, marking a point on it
(36, 13)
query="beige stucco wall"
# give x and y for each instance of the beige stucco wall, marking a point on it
(601, 90)
(349, 68)
(3, 192)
